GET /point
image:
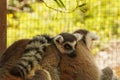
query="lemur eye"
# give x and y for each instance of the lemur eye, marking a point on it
(68, 47)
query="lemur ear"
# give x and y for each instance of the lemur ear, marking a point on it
(58, 39)
(78, 36)
(90, 37)
(93, 36)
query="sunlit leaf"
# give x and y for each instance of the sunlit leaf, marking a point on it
(60, 3)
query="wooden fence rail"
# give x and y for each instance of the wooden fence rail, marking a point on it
(2, 26)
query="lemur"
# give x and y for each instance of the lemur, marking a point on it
(75, 71)
(35, 53)
(88, 38)
(83, 66)
(42, 75)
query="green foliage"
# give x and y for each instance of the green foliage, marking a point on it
(59, 3)
(99, 16)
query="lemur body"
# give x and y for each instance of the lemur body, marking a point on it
(10, 57)
(33, 55)
(83, 66)
(88, 38)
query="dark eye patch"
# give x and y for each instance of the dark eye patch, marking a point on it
(68, 47)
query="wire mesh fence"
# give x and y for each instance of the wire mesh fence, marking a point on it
(26, 19)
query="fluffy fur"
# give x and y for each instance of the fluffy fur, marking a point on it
(10, 57)
(46, 63)
(88, 37)
(108, 74)
(32, 57)
(66, 43)
(83, 67)
(15, 52)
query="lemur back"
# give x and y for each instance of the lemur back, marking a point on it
(10, 57)
(82, 67)
(33, 55)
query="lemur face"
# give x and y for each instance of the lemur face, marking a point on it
(66, 43)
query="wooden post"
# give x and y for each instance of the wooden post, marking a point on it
(2, 26)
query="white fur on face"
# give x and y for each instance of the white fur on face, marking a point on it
(72, 44)
(60, 44)
(63, 50)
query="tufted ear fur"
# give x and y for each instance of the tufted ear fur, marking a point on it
(78, 36)
(58, 39)
(93, 36)
(90, 37)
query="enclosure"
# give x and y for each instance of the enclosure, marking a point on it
(27, 18)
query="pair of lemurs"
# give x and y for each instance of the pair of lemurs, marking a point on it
(58, 58)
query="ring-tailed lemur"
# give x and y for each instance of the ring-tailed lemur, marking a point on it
(88, 38)
(34, 52)
(33, 55)
(82, 67)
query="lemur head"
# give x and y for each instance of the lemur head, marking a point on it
(88, 37)
(66, 43)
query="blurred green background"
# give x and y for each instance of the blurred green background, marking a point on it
(27, 18)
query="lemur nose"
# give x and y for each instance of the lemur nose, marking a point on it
(72, 54)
